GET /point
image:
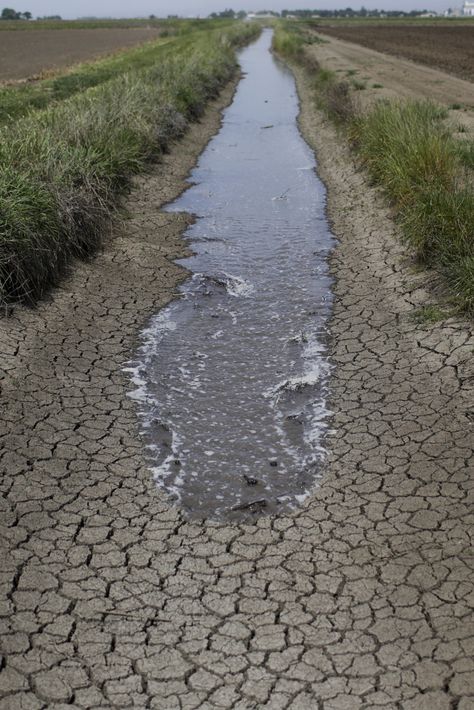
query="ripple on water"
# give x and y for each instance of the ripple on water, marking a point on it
(232, 377)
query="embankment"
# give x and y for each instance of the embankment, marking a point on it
(64, 169)
(410, 149)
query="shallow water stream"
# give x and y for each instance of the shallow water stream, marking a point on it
(232, 375)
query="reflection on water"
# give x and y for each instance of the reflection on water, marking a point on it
(232, 376)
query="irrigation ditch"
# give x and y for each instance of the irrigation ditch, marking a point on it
(362, 596)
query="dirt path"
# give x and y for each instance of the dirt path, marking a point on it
(396, 77)
(361, 599)
(24, 54)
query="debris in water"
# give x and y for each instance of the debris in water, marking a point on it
(273, 462)
(299, 338)
(250, 480)
(294, 418)
(282, 196)
(270, 125)
(254, 506)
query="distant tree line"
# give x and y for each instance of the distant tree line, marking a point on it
(9, 14)
(349, 12)
(229, 14)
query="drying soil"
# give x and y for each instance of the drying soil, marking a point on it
(446, 47)
(361, 599)
(26, 54)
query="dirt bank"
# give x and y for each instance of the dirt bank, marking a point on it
(361, 599)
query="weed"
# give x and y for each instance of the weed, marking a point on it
(465, 150)
(21, 98)
(63, 169)
(428, 314)
(408, 150)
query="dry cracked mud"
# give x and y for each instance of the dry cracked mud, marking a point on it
(361, 599)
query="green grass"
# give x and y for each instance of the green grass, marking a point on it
(63, 169)
(409, 151)
(19, 99)
(427, 315)
(426, 173)
(465, 151)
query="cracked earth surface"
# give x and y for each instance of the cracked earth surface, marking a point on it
(361, 599)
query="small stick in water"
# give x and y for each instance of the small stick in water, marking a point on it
(253, 505)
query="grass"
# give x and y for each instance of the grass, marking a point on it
(425, 172)
(18, 99)
(465, 151)
(427, 315)
(409, 151)
(63, 169)
(358, 85)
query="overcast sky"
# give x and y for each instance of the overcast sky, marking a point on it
(142, 8)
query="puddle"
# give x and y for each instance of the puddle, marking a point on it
(231, 377)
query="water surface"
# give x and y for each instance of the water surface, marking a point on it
(232, 376)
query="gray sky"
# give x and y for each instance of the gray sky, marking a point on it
(142, 8)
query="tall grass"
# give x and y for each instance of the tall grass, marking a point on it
(425, 172)
(410, 151)
(20, 98)
(63, 169)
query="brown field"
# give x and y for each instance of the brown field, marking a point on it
(24, 54)
(450, 48)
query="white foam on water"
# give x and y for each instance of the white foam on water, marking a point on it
(249, 323)
(167, 474)
(237, 286)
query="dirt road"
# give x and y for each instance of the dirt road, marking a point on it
(25, 54)
(395, 77)
(361, 599)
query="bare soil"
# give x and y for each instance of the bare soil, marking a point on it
(450, 48)
(26, 54)
(389, 77)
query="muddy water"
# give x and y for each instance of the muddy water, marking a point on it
(232, 375)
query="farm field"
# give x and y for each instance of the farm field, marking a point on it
(383, 75)
(25, 54)
(450, 48)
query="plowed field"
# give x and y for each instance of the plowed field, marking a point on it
(450, 48)
(24, 54)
